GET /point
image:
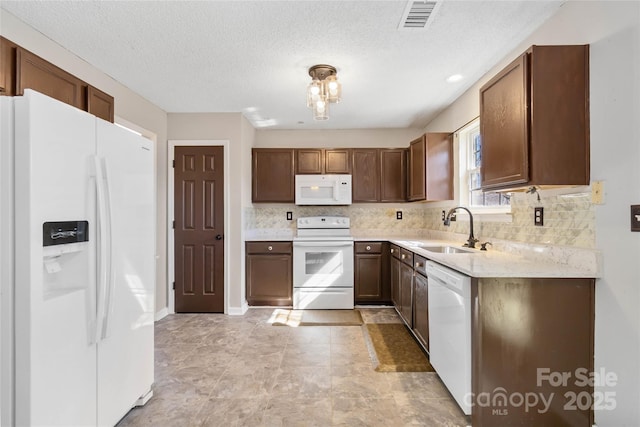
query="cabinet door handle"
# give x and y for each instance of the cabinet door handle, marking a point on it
(270, 248)
(368, 248)
(392, 250)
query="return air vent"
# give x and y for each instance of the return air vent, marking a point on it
(416, 15)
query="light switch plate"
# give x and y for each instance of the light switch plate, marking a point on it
(635, 217)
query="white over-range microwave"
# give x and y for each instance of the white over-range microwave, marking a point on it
(323, 189)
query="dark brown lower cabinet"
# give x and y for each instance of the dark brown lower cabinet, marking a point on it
(420, 303)
(532, 339)
(269, 273)
(406, 287)
(371, 263)
(394, 279)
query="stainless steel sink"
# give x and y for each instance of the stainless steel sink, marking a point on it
(447, 249)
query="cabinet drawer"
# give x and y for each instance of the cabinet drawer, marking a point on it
(269, 248)
(419, 264)
(368, 247)
(406, 257)
(395, 251)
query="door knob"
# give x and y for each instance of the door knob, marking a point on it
(219, 237)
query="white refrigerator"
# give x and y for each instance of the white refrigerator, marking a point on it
(78, 266)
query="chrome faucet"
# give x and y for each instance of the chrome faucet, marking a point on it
(471, 242)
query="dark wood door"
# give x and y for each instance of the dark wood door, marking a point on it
(272, 176)
(393, 175)
(421, 310)
(504, 126)
(417, 169)
(199, 228)
(366, 175)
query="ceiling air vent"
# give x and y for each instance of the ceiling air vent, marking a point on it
(416, 15)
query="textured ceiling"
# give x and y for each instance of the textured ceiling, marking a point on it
(253, 56)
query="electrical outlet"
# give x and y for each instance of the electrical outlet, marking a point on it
(398, 214)
(444, 215)
(538, 216)
(635, 217)
(289, 216)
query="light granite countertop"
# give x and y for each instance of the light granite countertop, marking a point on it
(502, 259)
(492, 263)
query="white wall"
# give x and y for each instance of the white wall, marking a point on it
(128, 105)
(613, 31)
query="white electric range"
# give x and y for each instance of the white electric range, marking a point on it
(323, 263)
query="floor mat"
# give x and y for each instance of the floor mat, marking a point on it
(282, 317)
(395, 349)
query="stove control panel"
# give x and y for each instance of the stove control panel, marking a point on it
(324, 222)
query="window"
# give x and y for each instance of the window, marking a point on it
(470, 145)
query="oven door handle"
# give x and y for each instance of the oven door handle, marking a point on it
(322, 244)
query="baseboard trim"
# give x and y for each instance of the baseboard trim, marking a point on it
(238, 311)
(162, 313)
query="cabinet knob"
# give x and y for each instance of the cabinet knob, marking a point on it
(418, 264)
(368, 248)
(392, 250)
(403, 256)
(270, 248)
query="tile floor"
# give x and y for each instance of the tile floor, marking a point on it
(217, 370)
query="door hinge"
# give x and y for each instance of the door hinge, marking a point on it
(174, 163)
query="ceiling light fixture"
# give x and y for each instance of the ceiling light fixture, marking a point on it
(323, 90)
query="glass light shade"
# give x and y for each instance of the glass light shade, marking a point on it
(321, 109)
(333, 88)
(314, 90)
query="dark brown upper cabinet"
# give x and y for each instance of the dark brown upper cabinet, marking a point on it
(100, 104)
(366, 175)
(323, 161)
(379, 175)
(430, 174)
(393, 175)
(273, 175)
(534, 120)
(35, 73)
(7, 67)
(21, 69)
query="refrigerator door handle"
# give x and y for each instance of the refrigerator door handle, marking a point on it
(110, 281)
(103, 248)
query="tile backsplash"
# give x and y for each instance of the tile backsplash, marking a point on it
(569, 220)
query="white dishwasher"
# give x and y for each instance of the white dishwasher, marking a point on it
(450, 330)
